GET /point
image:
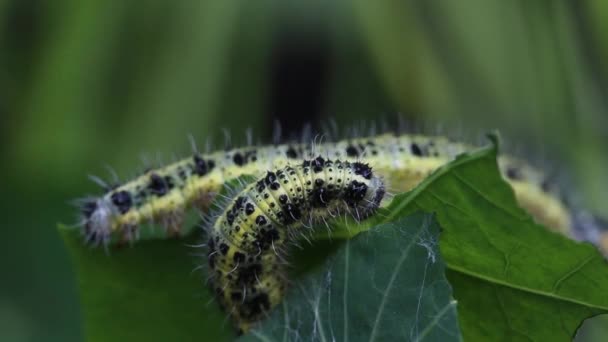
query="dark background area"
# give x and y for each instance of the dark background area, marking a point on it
(85, 84)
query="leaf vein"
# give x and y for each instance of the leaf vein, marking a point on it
(389, 286)
(571, 273)
(524, 288)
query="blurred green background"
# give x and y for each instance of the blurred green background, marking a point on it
(84, 84)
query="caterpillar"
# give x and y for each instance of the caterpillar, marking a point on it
(163, 195)
(247, 245)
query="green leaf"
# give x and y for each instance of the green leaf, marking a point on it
(513, 279)
(147, 292)
(386, 284)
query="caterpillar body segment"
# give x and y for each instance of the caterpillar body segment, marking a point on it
(248, 242)
(163, 195)
(537, 195)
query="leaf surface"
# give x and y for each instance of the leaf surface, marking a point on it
(513, 278)
(147, 292)
(386, 284)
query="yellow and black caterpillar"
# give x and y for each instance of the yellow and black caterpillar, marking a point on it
(247, 245)
(163, 195)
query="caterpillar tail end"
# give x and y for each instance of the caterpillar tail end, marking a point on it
(588, 227)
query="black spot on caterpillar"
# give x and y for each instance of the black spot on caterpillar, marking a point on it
(248, 242)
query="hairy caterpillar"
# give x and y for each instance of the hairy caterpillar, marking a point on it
(163, 195)
(247, 245)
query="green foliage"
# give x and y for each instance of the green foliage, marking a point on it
(386, 284)
(512, 278)
(147, 292)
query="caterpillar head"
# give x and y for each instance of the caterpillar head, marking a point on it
(377, 185)
(365, 191)
(97, 220)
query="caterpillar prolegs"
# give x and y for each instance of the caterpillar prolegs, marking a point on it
(247, 245)
(164, 194)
